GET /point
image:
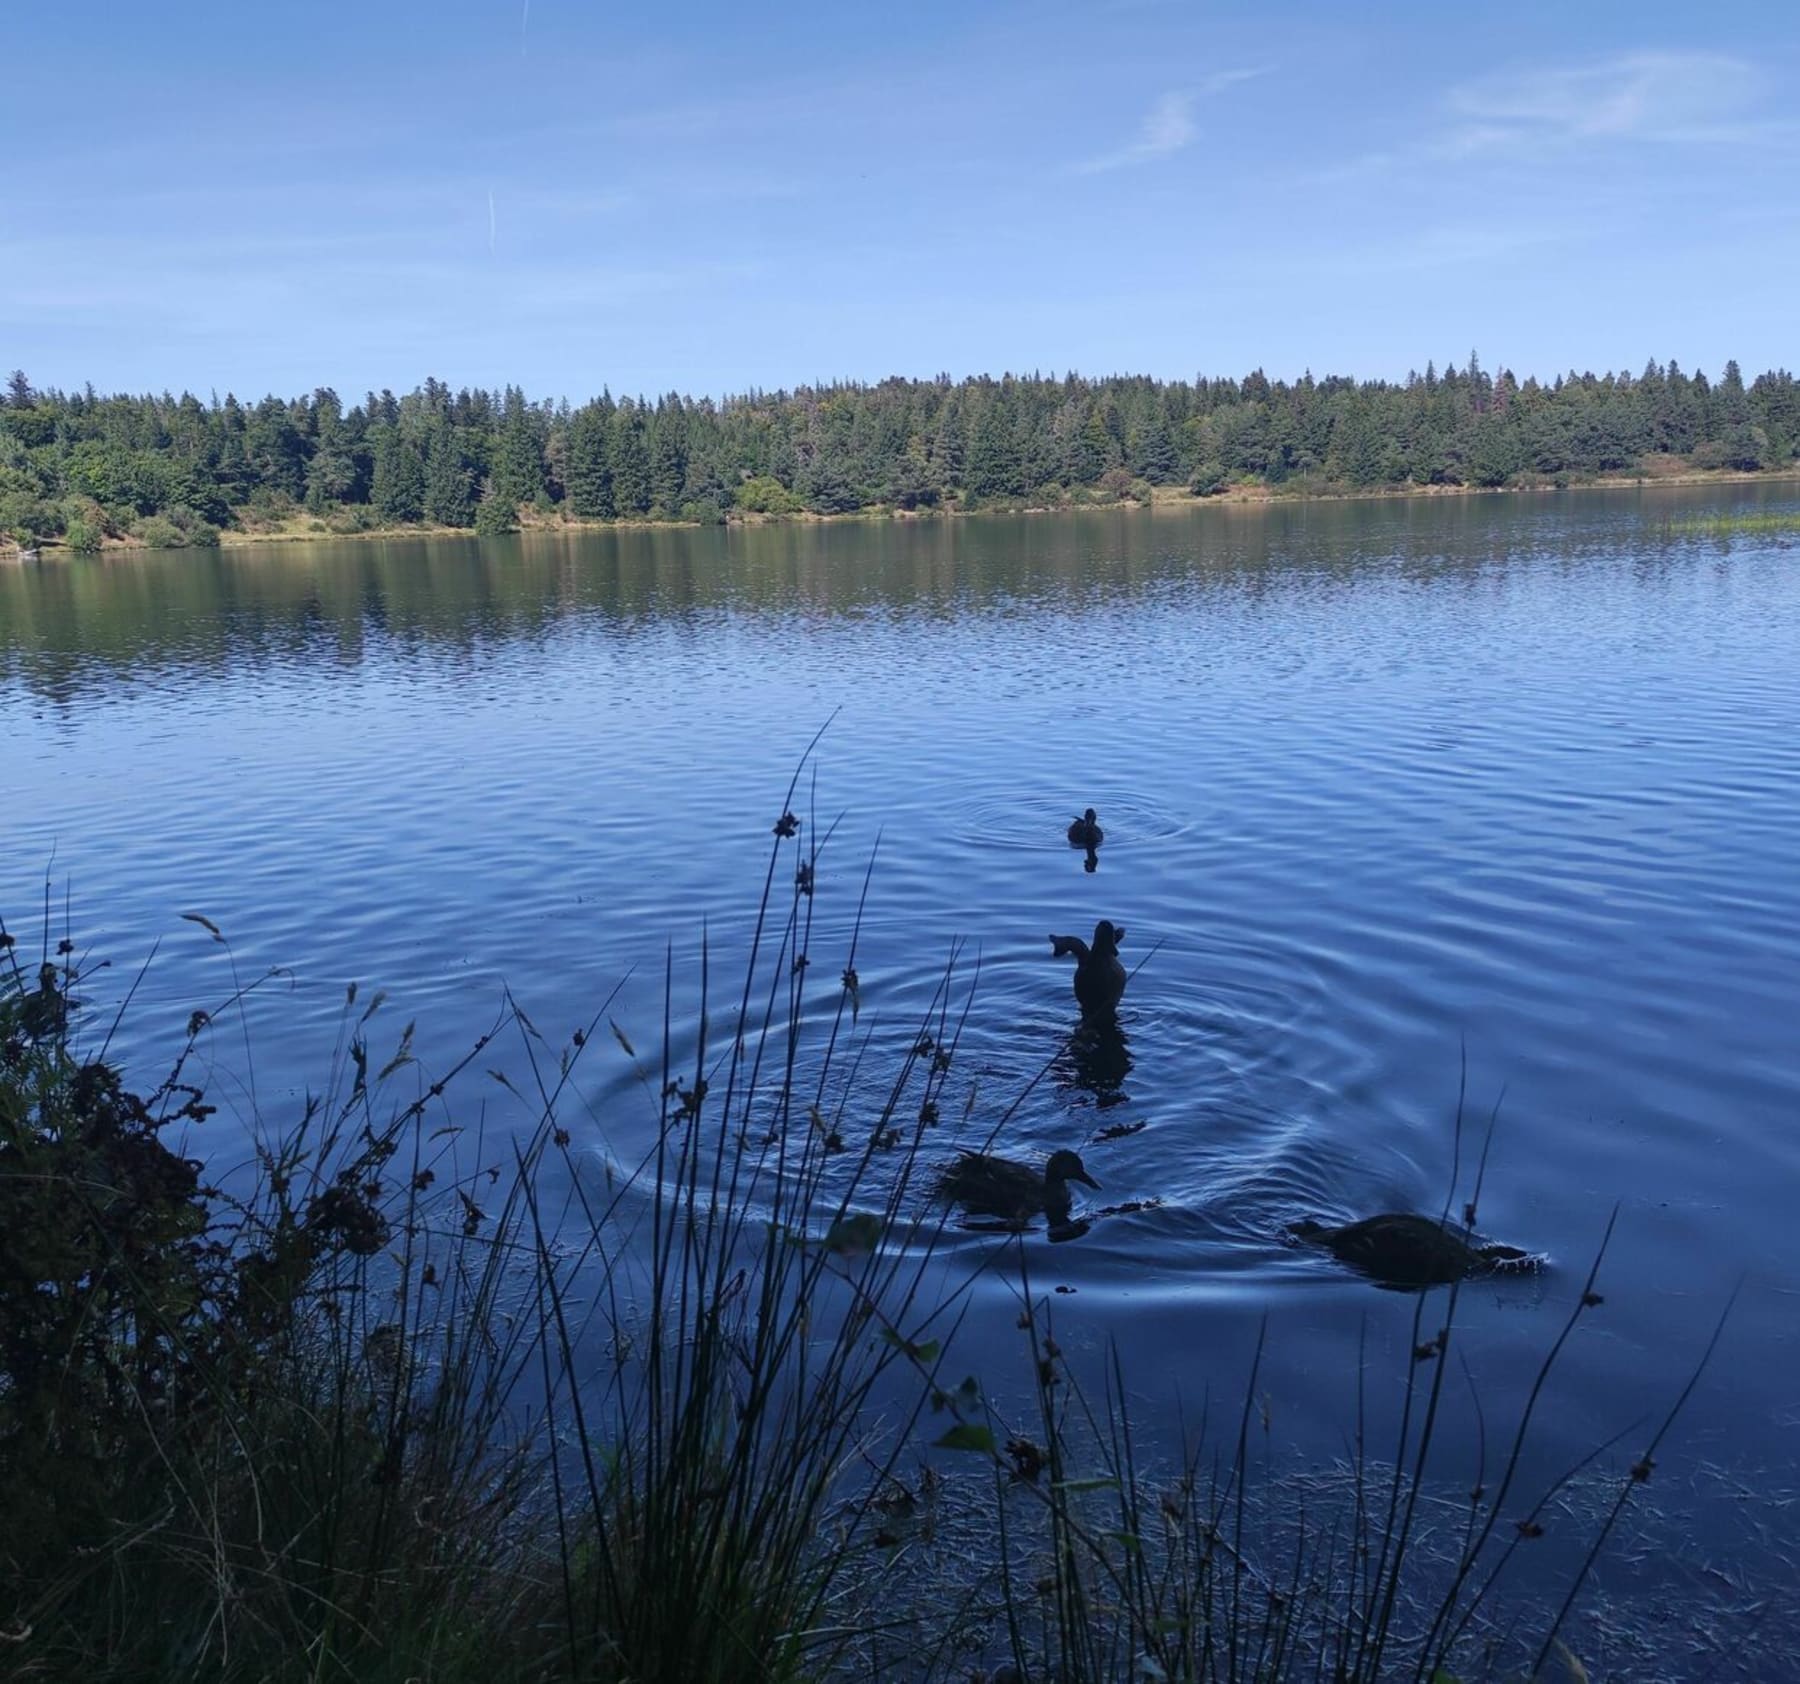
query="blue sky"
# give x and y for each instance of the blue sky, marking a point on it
(703, 198)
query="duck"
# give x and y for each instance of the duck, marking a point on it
(985, 1185)
(1402, 1250)
(1085, 832)
(1099, 976)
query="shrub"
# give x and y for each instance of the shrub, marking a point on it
(107, 1285)
(355, 517)
(177, 528)
(268, 506)
(26, 518)
(195, 1408)
(765, 495)
(158, 532)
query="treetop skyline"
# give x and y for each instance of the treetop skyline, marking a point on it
(168, 472)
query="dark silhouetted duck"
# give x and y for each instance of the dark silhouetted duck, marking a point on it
(1013, 1192)
(1099, 976)
(1401, 1250)
(1085, 832)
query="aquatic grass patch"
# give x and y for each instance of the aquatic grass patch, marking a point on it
(1747, 523)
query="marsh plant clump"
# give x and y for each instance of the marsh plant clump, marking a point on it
(1736, 523)
(408, 1399)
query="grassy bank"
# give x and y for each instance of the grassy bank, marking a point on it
(400, 1399)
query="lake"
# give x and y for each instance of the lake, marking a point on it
(1391, 790)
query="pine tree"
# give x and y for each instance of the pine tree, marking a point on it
(629, 460)
(332, 477)
(993, 464)
(398, 489)
(668, 457)
(494, 516)
(949, 447)
(1154, 457)
(518, 475)
(587, 469)
(276, 448)
(449, 479)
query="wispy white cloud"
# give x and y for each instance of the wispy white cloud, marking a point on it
(1220, 80)
(1651, 96)
(1168, 126)
(1523, 116)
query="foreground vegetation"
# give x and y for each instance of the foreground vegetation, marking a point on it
(82, 469)
(369, 1408)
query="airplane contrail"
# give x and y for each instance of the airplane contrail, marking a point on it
(524, 19)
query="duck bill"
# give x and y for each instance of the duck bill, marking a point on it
(1086, 1180)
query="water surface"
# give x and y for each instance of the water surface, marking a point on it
(1393, 789)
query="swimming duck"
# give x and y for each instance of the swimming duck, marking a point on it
(1099, 976)
(988, 1186)
(1401, 1250)
(1085, 832)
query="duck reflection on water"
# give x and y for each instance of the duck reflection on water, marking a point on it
(1096, 1059)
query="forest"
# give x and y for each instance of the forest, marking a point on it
(80, 469)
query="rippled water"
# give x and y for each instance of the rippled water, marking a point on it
(1385, 786)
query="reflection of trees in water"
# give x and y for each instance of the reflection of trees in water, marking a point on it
(75, 623)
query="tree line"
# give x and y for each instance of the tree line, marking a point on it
(79, 467)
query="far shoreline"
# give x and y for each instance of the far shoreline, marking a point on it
(1163, 499)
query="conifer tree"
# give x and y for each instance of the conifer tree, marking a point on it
(398, 490)
(518, 475)
(449, 478)
(629, 459)
(668, 457)
(587, 466)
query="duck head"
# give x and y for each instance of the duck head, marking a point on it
(1066, 1166)
(1107, 937)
